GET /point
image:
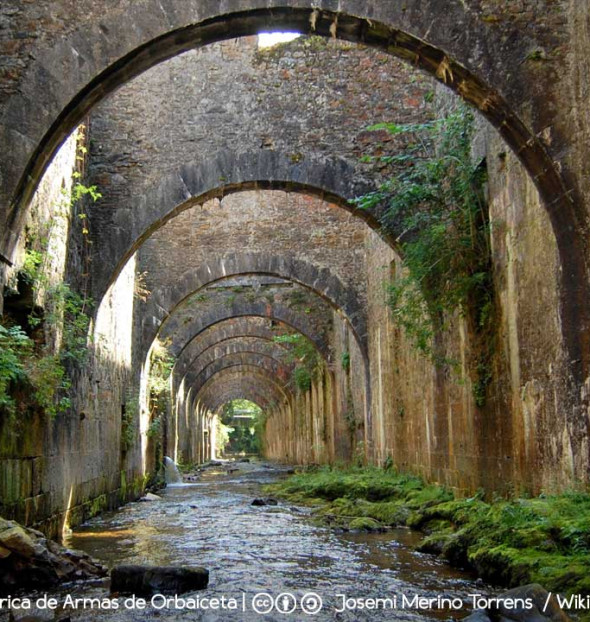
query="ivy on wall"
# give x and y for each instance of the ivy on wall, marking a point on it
(306, 359)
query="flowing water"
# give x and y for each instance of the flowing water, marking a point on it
(270, 549)
(171, 472)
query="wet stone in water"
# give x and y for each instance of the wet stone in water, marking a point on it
(158, 579)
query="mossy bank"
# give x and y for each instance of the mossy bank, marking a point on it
(544, 540)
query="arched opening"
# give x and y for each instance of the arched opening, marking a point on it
(241, 420)
(183, 269)
(384, 28)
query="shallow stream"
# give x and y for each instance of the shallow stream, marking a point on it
(270, 549)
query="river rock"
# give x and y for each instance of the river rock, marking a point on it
(538, 596)
(16, 540)
(4, 552)
(265, 501)
(35, 561)
(158, 579)
(150, 497)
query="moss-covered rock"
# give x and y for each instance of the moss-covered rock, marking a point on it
(365, 524)
(508, 542)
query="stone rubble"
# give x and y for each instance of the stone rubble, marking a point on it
(29, 559)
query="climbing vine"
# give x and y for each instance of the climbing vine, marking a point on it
(40, 378)
(129, 419)
(436, 208)
(161, 364)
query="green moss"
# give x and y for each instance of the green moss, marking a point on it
(123, 487)
(508, 542)
(365, 524)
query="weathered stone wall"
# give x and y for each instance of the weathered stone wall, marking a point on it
(57, 471)
(520, 64)
(302, 430)
(297, 113)
(426, 419)
(241, 235)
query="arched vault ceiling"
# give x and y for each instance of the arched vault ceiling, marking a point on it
(214, 393)
(240, 360)
(227, 331)
(252, 346)
(88, 53)
(297, 307)
(163, 303)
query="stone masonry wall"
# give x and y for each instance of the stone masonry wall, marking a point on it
(56, 472)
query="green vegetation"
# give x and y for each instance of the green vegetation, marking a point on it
(305, 357)
(544, 540)
(436, 210)
(38, 359)
(68, 309)
(28, 380)
(129, 421)
(240, 436)
(30, 370)
(14, 347)
(161, 364)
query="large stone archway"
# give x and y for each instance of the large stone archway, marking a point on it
(228, 331)
(243, 359)
(162, 303)
(180, 332)
(488, 62)
(238, 346)
(98, 55)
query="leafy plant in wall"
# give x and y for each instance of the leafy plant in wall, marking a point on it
(129, 418)
(42, 378)
(14, 345)
(303, 354)
(161, 364)
(32, 262)
(435, 207)
(155, 427)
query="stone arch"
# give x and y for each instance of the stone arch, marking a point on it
(182, 335)
(223, 331)
(237, 379)
(240, 360)
(250, 346)
(335, 180)
(322, 282)
(143, 42)
(96, 63)
(249, 393)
